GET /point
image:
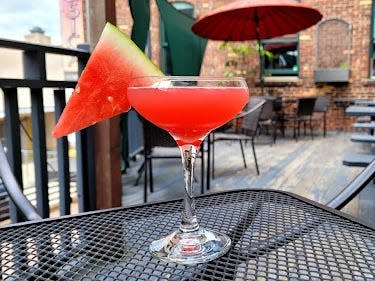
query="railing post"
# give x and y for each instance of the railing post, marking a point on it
(13, 143)
(39, 152)
(34, 63)
(86, 170)
(62, 158)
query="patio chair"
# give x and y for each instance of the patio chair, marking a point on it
(245, 130)
(303, 114)
(159, 144)
(320, 111)
(353, 188)
(279, 117)
(267, 119)
(14, 191)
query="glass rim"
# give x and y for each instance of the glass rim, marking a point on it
(187, 77)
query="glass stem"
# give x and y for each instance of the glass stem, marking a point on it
(189, 221)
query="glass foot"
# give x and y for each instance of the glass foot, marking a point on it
(191, 247)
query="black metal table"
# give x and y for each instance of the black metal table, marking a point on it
(365, 102)
(276, 236)
(357, 110)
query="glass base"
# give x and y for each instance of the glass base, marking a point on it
(191, 247)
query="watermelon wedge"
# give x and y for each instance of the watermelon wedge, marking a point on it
(101, 89)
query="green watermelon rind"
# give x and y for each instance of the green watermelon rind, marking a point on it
(113, 34)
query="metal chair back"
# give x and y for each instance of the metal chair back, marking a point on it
(156, 142)
(251, 120)
(321, 104)
(14, 191)
(267, 111)
(305, 106)
(353, 188)
(155, 136)
(278, 104)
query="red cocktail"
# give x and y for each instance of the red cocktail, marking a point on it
(188, 113)
(189, 108)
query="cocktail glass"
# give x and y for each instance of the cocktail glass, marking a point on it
(189, 108)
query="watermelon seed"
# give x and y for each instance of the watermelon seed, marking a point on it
(110, 99)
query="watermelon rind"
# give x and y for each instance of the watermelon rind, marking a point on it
(116, 36)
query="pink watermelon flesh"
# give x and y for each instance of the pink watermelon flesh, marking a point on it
(100, 92)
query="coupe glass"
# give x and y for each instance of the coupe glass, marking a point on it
(189, 108)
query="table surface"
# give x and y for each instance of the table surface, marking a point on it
(275, 235)
(365, 102)
(356, 110)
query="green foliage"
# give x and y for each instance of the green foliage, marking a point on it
(344, 65)
(238, 62)
(265, 52)
(239, 56)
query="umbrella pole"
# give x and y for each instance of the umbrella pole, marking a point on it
(261, 77)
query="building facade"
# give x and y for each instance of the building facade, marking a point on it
(334, 57)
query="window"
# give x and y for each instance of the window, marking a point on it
(333, 51)
(283, 56)
(334, 37)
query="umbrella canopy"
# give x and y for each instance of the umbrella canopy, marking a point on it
(255, 20)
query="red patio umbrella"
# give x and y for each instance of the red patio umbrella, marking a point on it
(255, 20)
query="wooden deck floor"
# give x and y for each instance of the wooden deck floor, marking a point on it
(310, 168)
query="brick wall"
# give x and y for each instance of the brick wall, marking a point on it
(356, 13)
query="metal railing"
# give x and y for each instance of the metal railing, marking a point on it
(35, 79)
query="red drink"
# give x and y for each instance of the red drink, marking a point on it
(188, 113)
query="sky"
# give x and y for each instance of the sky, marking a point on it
(17, 17)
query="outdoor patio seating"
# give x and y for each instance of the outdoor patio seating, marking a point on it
(245, 130)
(320, 111)
(158, 144)
(272, 117)
(303, 114)
(267, 121)
(279, 117)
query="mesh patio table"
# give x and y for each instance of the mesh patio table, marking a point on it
(275, 236)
